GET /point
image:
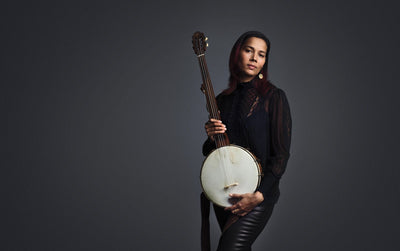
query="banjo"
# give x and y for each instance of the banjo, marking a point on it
(229, 168)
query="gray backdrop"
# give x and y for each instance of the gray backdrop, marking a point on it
(102, 122)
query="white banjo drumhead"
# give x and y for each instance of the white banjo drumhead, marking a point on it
(229, 169)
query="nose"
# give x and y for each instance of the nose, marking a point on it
(253, 57)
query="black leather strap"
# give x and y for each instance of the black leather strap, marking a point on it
(205, 223)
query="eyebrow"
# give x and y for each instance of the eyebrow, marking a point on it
(251, 47)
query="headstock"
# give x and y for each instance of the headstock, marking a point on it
(199, 43)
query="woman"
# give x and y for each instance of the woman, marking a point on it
(255, 115)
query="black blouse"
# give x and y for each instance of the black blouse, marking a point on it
(261, 124)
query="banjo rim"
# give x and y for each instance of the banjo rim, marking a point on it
(257, 165)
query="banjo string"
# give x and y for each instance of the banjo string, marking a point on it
(220, 140)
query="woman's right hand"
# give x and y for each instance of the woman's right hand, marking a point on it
(213, 127)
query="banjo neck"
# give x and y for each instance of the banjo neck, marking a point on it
(199, 46)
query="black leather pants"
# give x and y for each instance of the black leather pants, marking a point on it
(241, 235)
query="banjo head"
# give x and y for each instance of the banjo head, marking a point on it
(226, 170)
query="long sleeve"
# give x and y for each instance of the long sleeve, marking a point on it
(280, 136)
(281, 131)
(208, 146)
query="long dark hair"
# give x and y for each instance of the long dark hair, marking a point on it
(262, 85)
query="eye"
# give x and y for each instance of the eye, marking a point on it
(247, 50)
(262, 55)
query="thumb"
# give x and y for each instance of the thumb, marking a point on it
(235, 195)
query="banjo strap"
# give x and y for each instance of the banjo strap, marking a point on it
(205, 223)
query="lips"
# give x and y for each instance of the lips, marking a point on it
(251, 67)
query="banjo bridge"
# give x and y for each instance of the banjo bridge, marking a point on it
(231, 185)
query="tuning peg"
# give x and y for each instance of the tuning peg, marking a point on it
(203, 90)
(206, 39)
(206, 44)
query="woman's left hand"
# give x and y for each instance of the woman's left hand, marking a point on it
(245, 202)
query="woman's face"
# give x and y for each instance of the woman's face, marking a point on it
(251, 58)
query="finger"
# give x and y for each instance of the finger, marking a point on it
(219, 126)
(239, 212)
(242, 214)
(235, 211)
(236, 195)
(231, 208)
(214, 124)
(215, 130)
(211, 125)
(215, 120)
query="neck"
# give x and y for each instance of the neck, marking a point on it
(245, 79)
